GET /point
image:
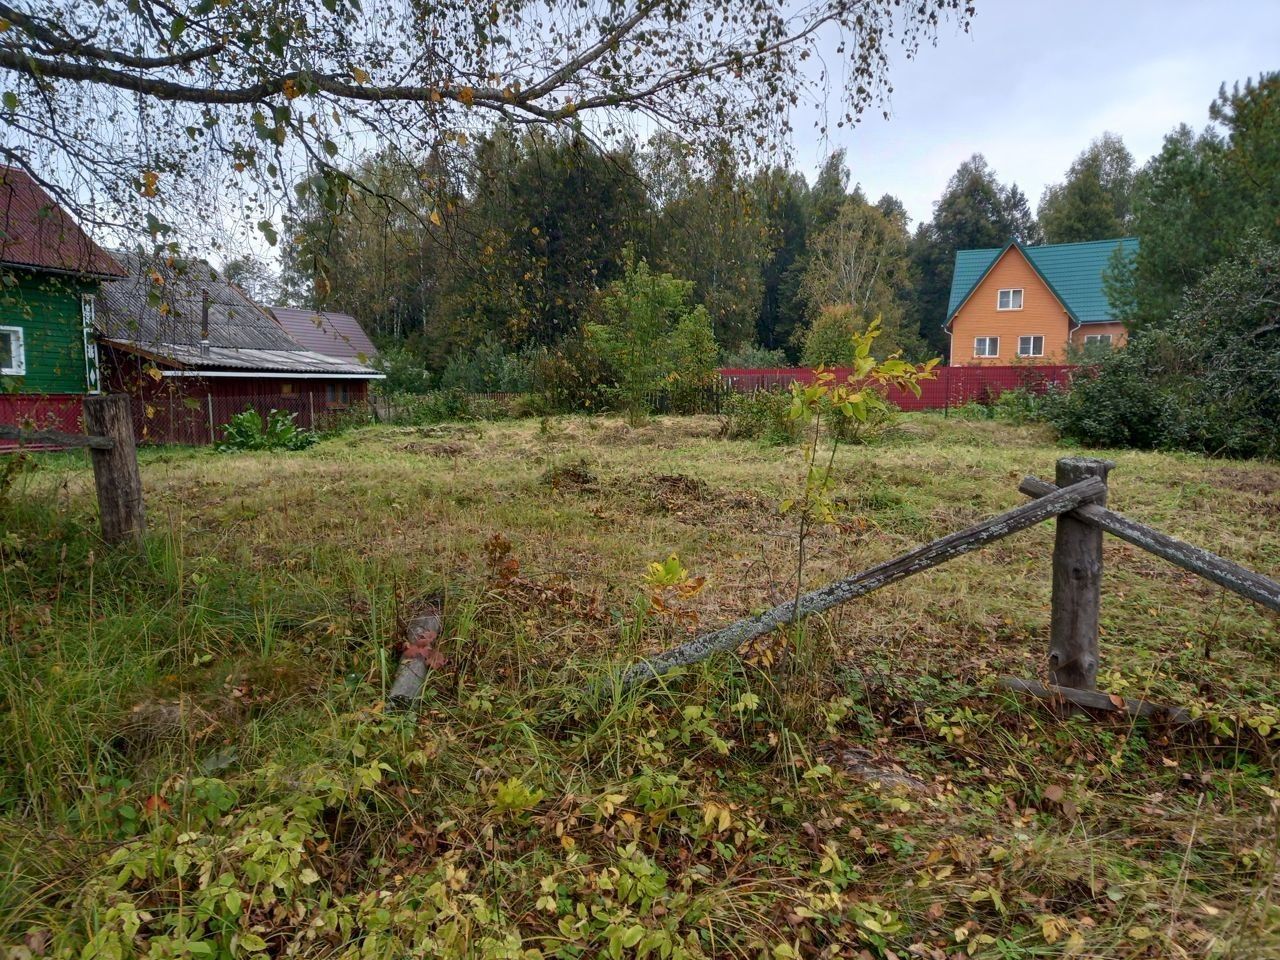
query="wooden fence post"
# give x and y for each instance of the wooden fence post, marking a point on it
(1077, 585)
(115, 471)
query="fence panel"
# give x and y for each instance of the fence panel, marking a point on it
(202, 419)
(951, 386)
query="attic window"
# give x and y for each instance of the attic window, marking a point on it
(1009, 299)
(13, 357)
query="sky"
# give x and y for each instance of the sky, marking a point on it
(1035, 80)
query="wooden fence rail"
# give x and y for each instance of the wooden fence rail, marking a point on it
(1077, 503)
(109, 438)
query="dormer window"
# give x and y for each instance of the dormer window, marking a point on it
(1009, 299)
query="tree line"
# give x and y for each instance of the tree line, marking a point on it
(511, 244)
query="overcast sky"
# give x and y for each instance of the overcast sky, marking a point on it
(1035, 81)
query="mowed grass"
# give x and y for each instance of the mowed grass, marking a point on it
(197, 761)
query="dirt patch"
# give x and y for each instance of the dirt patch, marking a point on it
(450, 448)
(570, 477)
(1244, 480)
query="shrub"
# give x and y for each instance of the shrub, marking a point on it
(881, 420)
(438, 406)
(762, 415)
(1205, 380)
(751, 356)
(247, 431)
(1018, 406)
(488, 367)
(405, 372)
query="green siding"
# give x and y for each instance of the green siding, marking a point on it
(47, 308)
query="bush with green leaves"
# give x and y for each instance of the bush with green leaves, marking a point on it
(248, 431)
(404, 370)
(488, 367)
(1207, 380)
(653, 338)
(761, 415)
(752, 356)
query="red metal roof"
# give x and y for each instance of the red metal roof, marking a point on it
(333, 334)
(37, 233)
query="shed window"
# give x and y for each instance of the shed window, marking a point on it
(986, 347)
(13, 356)
(1009, 299)
(1032, 346)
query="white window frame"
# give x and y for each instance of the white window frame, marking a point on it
(92, 369)
(18, 363)
(1033, 352)
(1098, 338)
(1010, 291)
(986, 346)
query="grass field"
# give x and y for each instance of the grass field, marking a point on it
(196, 761)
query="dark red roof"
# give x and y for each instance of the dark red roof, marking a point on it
(37, 233)
(333, 334)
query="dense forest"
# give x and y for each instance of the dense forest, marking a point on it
(507, 243)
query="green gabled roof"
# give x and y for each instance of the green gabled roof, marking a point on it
(1073, 271)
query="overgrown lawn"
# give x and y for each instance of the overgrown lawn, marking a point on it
(196, 760)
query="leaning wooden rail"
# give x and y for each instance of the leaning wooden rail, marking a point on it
(108, 422)
(1199, 561)
(8, 432)
(842, 591)
(1077, 502)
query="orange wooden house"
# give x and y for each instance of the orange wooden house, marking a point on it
(1019, 304)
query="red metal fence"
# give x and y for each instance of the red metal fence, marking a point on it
(951, 386)
(55, 411)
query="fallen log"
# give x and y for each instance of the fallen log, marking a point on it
(1097, 700)
(842, 591)
(419, 657)
(1199, 561)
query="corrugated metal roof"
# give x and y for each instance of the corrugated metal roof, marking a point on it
(37, 233)
(335, 334)
(281, 361)
(1073, 271)
(157, 310)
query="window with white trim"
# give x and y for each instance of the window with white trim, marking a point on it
(1098, 340)
(1031, 346)
(986, 346)
(13, 355)
(1009, 299)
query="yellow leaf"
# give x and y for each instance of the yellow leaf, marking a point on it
(150, 180)
(435, 217)
(361, 75)
(291, 89)
(466, 96)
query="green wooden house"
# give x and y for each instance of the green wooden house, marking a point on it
(50, 272)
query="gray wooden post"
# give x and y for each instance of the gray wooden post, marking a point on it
(1077, 584)
(115, 470)
(209, 408)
